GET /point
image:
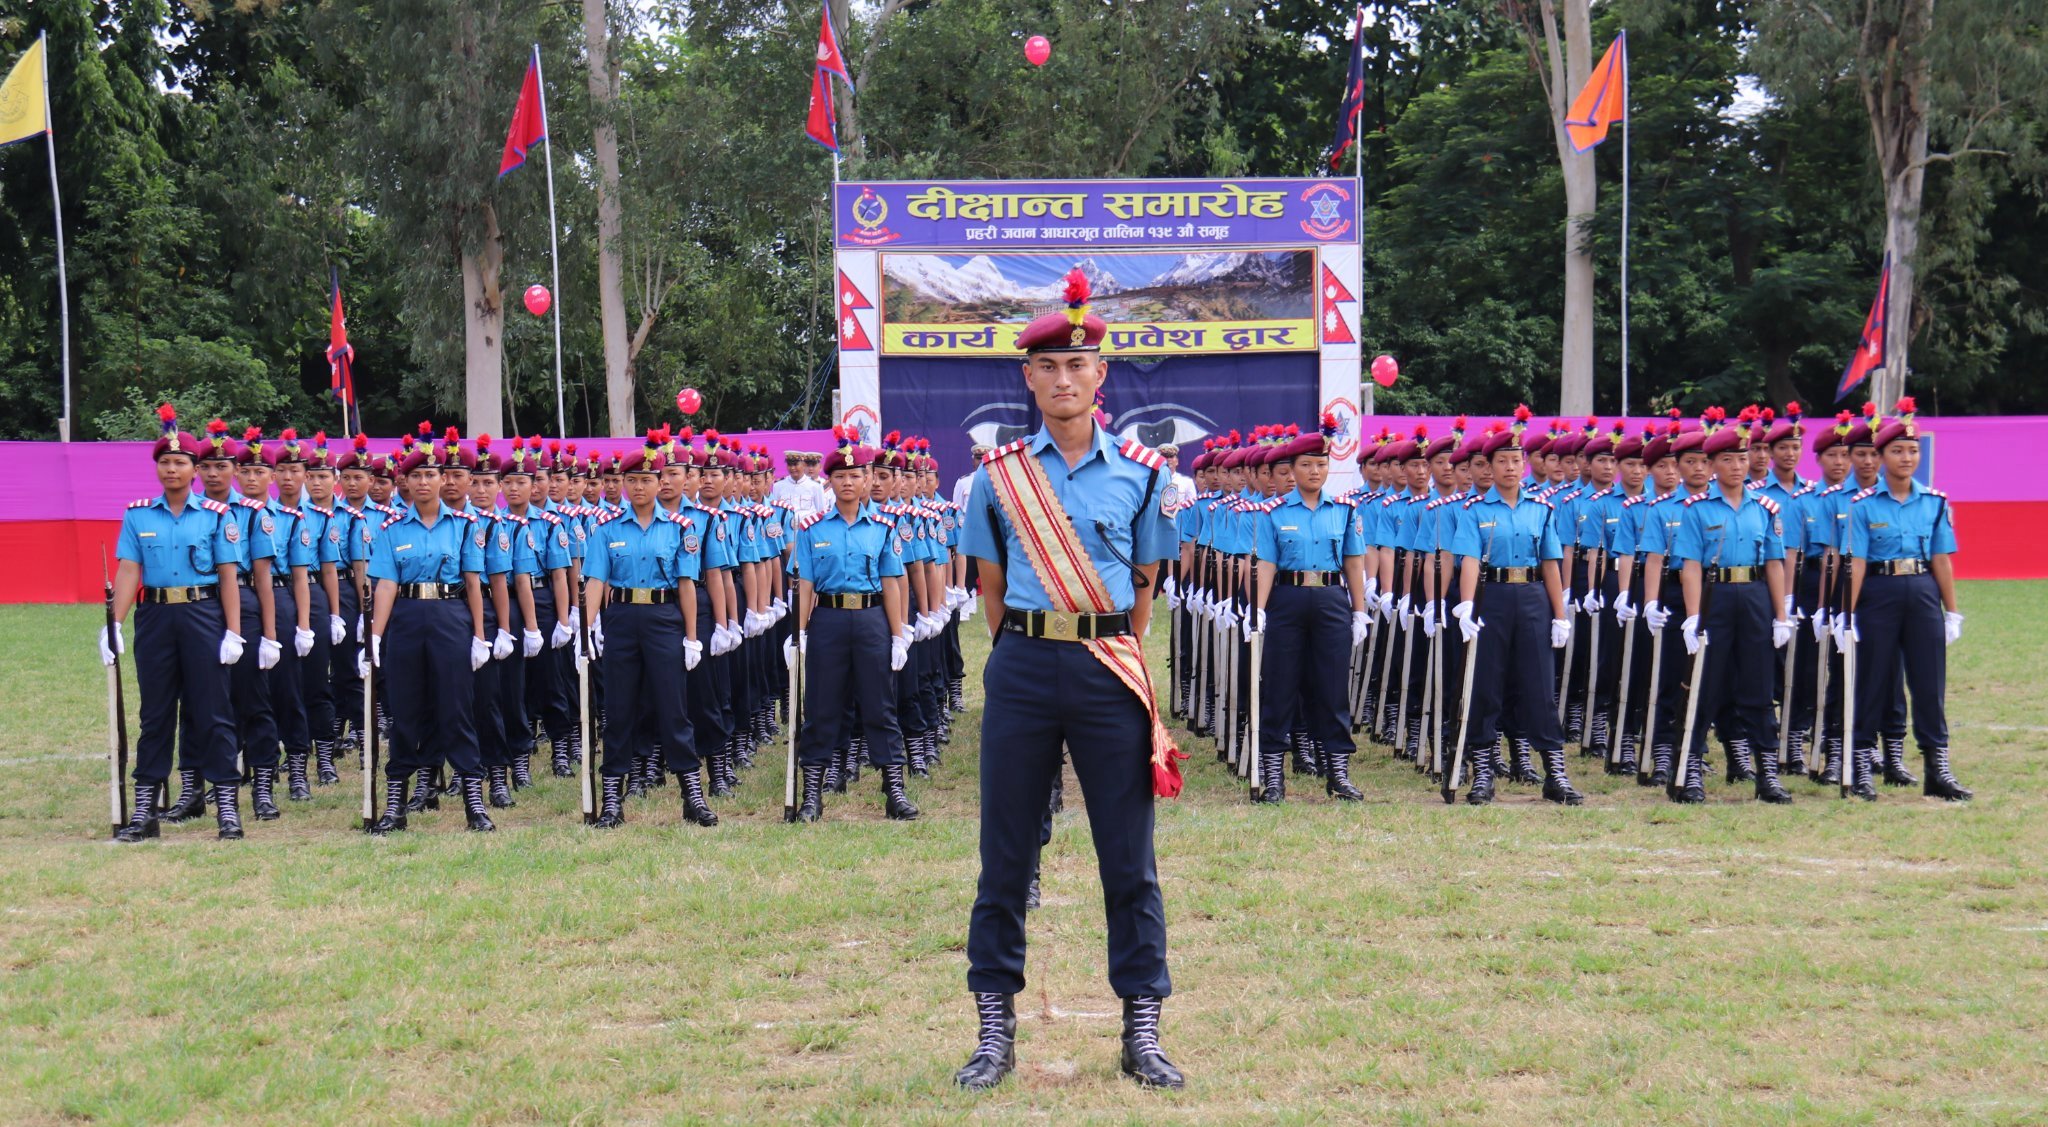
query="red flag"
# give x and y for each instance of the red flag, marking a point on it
(1354, 96)
(822, 125)
(1335, 330)
(1603, 101)
(529, 119)
(829, 59)
(340, 355)
(852, 337)
(1870, 349)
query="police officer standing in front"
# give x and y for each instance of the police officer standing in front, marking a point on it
(1070, 528)
(183, 550)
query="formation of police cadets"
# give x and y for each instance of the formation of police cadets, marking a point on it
(503, 598)
(1488, 596)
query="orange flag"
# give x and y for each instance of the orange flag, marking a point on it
(1604, 100)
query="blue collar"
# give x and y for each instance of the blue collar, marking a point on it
(1098, 447)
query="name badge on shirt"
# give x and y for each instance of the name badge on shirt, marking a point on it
(1289, 528)
(1880, 524)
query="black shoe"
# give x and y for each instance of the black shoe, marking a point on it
(1272, 776)
(227, 811)
(425, 795)
(1941, 779)
(995, 1054)
(522, 772)
(1741, 761)
(718, 766)
(1337, 784)
(1522, 758)
(610, 815)
(473, 805)
(1558, 788)
(1831, 764)
(834, 780)
(636, 778)
(142, 824)
(896, 803)
(263, 794)
(1895, 773)
(1767, 787)
(323, 763)
(1481, 793)
(501, 788)
(191, 799)
(559, 758)
(813, 806)
(395, 806)
(1142, 1059)
(695, 809)
(1861, 766)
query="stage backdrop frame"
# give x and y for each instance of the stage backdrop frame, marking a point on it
(1083, 217)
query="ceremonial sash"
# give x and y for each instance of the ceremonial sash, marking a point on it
(1068, 575)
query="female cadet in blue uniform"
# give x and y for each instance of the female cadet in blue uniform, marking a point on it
(506, 609)
(1511, 541)
(1048, 692)
(843, 607)
(1731, 542)
(540, 565)
(1311, 596)
(291, 598)
(427, 637)
(328, 526)
(183, 549)
(1902, 604)
(640, 566)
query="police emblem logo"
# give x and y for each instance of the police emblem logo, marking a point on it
(481, 538)
(897, 547)
(691, 543)
(334, 535)
(268, 527)
(721, 530)
(368, 536)
(562, 539)
(579, 532)
(234, 532)
(750, 532)
(504, 542)
(306, 537)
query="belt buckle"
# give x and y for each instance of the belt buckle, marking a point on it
(1312, 579)
(1738, 575)
(175, 595)
(1062, 626)
(1518, 575)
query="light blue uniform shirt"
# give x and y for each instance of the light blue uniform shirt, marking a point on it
(839, 557)
(407, 550)
(179, 550)
(1502, 535)
(1116, 504)
(1883, 528)
(295, 546)
(1713, 533)
(624, 554)
(1294, 537)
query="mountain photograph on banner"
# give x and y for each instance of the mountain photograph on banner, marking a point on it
(1179, 302)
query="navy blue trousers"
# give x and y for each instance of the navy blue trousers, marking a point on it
(1304, 680)
(1903, 651)
(316, 681)
(1514, 667)
(428, 689)
(484, 710)
(1045, 696)
(249, 690)
(708, 686)
(348, 684)
(846, 672)
(184, 691)
(287, 695)
(644, 687)
(1735, 683)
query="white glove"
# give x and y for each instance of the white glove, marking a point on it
(230, 647)
(362, 627)
(1655, 614)
(797, 643)
(1787, 610)
(1387, 605)
(1560, 632)
(362, 663)
(1625, 612)
(1254, 621)
(111, 654)
(1467, 625)
(337, 630)
(579, 656)
(1429, 619)
(576, 619)
(529, 643)
(721, 640)
(596, 635)
(501, 646)
(377, 650)
(899, 652)
(1820, 624)
(302, 640)
(752, 625)
(563, 635)
(1571, 604)
(268, 653)
(1782, 632)
(1361, 622)
(968, 608)
(1951, 626)
(1226, 616)
(693, 652)
(1171, 592)
(1402, 609)
(1372, 589)
(1593, 602)
(1690, 630)
(1846, 633)
(927, 629)
(479, 653)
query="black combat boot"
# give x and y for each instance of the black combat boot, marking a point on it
(559, 757)
(636, 777)
(1272, 774)
(1768, 788)
(501, 787)
(1660, 765)
(1941, 779)
(717, 769)
(395, 806)
(611, 814)
(995, 1054)
(834, 778)
(894, 801)
(522, 771)
(1142, 1059)
(1304, 755)
(1795, 757)
(227, 811)
(1575, 727)
(473, 804)
(1482, 778)
(913, 749)
(1831, 763)
(1861, 765)
(695, 809)
(191, 801)
(1337, 784)
(1522, 756)
(1741, 761)
(1597, 739)
(297, 787)
(425, 795)
(1693, 788)
(142, 823)
(856, 754)
(1625, 764)
(1558, 788)
(812, 806)
(1895, 773)
(323, 762)
(263, 794)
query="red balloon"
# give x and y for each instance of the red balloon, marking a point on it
(688, 401)
(1384, 370)
(1038, 49)
(538, 299)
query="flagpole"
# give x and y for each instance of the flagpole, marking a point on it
(1624, 222)
(554, 248)
(63, 284)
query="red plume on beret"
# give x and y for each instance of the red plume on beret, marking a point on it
(361, 442)
(452, 434)
(168, 416)
(1076, 290)
(252, 434)
(483, 443)
(1421, 431)
(217, 427)
(426, 428)
(290, 434)
(686, 434)
(1328, 424)
(1522, 414)
(1904, 406)
(1869, 409)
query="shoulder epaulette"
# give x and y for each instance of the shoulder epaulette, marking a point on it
(248, 504)
(1835, 488)
(1804, 490)
(1347, 499)
(520, 521)
(1269, 504)
(394, 518)
(1387, 502)
(1545, 502)
(1769, 505)
(207, 503)
(546, 515)
(1861, 494)
(1938, 493)
(682, 518)
(1005, 450)
(608, 518)
(291, 512)
(884, 519)
(1142, 454)
(464, 514)
(1609, 491)
(1700, 496)
(804, 523)
(146, 502)
(1756, 484)
(1434, 502)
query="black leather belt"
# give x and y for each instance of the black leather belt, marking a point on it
(430, 590)
(248, 579)
(537, 582)
(1308, 578)
(1065, 626)
(1897, 567)
(850, 602)
(1512, 574)
(643, 596)
(1733, 574)
(175, 595)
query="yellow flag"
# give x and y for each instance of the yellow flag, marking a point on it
(24, 99)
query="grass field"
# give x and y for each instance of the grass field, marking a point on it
(1628, 961)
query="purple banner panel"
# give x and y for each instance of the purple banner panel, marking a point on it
(968, 214)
